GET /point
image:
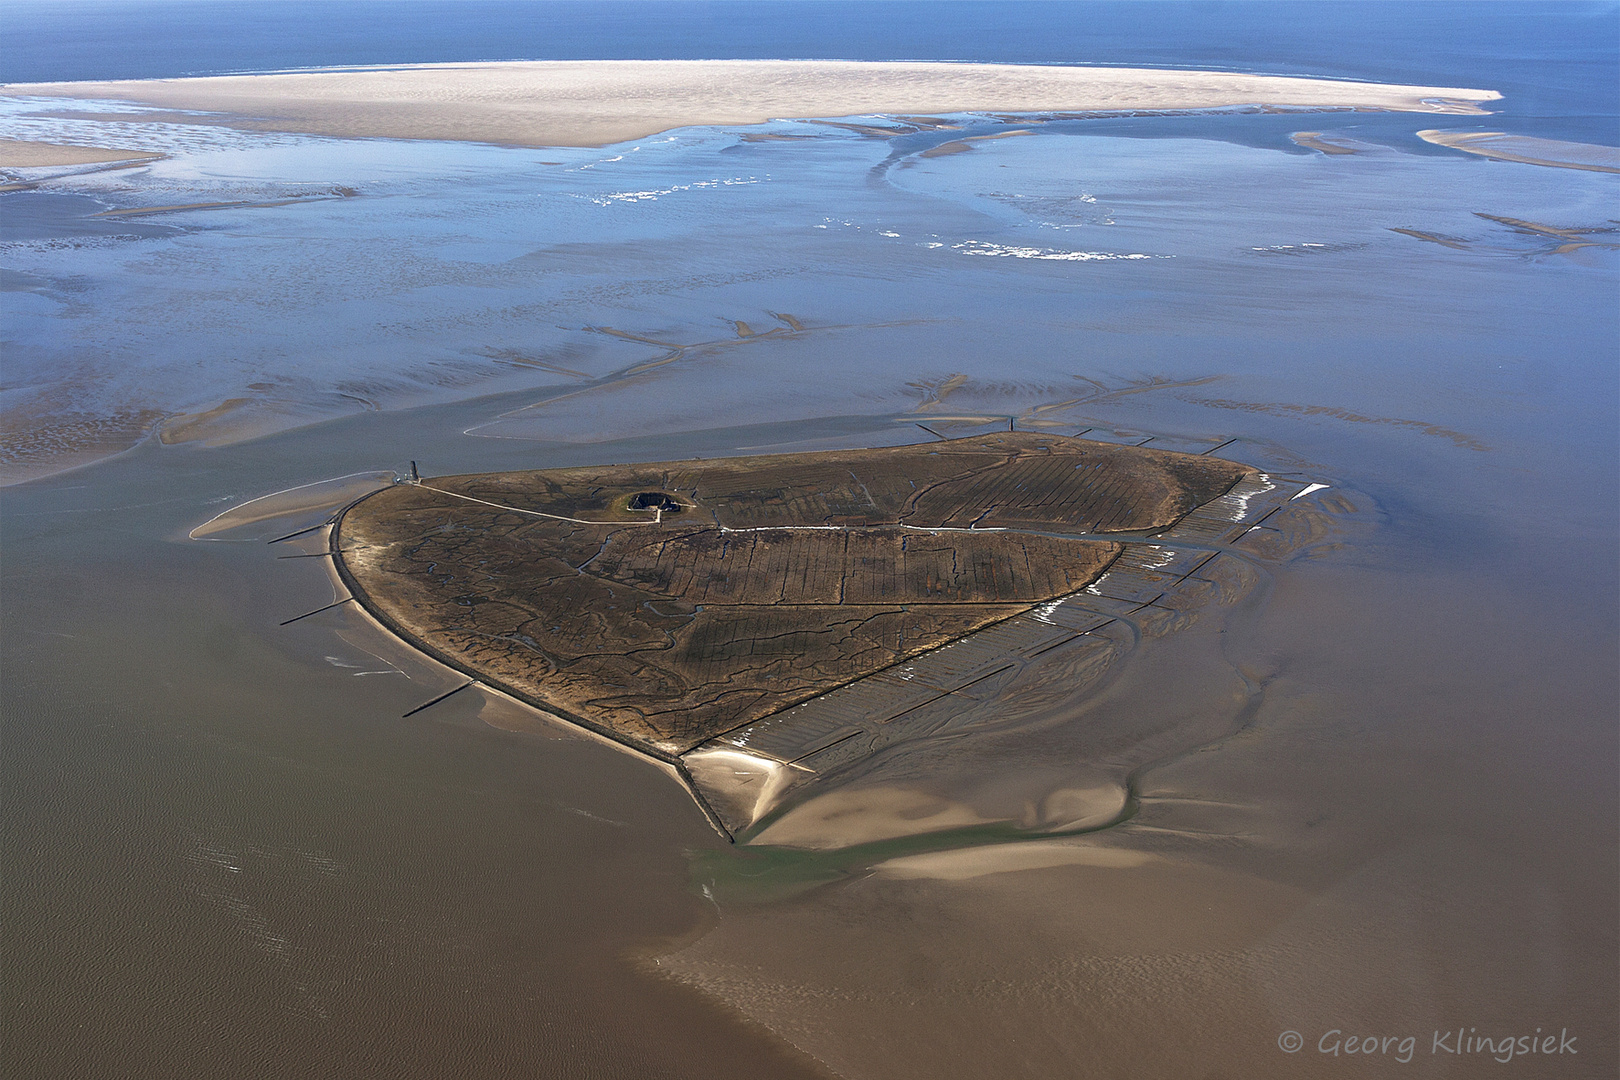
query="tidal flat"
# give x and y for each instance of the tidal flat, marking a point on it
(1366, 784)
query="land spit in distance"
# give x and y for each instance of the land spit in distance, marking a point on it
(759, 622)
(600, 102)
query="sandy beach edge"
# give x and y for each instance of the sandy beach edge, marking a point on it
(601, 102)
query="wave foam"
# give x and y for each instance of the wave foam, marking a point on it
(608, 198)
(982, 247)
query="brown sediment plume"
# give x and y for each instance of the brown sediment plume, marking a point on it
(1527, 150)
(593, 103)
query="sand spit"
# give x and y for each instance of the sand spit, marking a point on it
(1315, 140)
(594, 103)
(1329, 143)
(1455, 242)
(1589, 157)
(21, 154)
(961, 145)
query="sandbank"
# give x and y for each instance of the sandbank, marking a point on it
(1316, 140)
(1527, 150)
(961, 145)
(22, 154)
(190, 427)
(594, 103)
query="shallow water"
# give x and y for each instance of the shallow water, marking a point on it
(1379, 798)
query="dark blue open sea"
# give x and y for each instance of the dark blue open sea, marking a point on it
(1363, 795)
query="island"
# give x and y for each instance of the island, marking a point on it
(665, 605)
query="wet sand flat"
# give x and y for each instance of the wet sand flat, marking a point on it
(594, 103)
(1554, 153)
(26, 154)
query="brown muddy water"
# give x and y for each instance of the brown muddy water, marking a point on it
(1373, 796)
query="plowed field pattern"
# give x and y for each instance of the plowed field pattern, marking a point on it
(769, 580)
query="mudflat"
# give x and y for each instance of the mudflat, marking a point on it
(594, 103)
(664, 604)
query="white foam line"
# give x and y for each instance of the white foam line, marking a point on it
(981, 247)
(299, 487)
(651, 195)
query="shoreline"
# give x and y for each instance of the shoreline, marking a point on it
(33, 154)
(598, 103)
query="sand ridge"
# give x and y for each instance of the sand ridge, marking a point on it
(27, 154)
(598, 102)
(1528, 150)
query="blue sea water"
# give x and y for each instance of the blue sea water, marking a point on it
(1556, 62)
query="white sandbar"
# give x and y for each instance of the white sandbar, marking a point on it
(597, 102)
(1528, 150)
